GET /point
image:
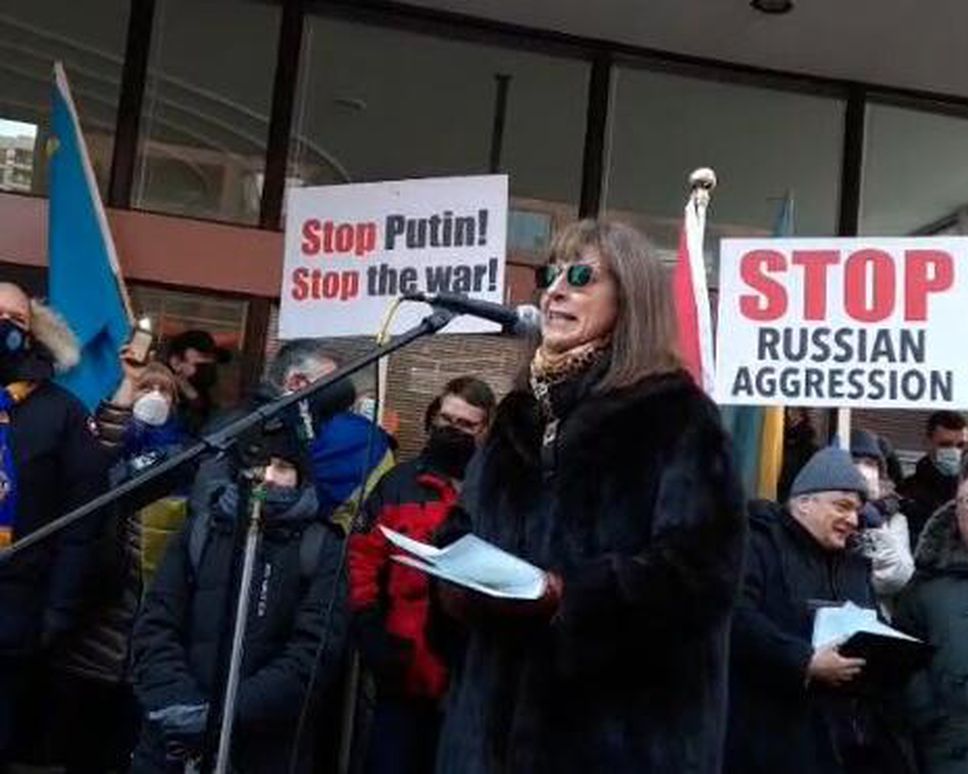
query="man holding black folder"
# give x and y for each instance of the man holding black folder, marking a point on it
(794, 708)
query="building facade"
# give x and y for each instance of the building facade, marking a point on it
(199, 116)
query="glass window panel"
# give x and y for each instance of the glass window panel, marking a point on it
(172, 312)
(386, 104)
(89, 38)
(206, 109)
(915, 178)
(665, 126)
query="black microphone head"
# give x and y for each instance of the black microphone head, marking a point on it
(529, 321)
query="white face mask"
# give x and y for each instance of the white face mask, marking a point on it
(872, 477)
(152, 409)
(948, 461)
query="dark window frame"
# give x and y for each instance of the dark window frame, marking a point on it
(603, 56)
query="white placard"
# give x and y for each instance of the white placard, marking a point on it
(351, 249)
(864, 323)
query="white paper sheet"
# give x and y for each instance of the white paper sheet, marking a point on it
(473, 563)
(836, 624)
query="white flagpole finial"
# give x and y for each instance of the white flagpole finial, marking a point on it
(704, 177)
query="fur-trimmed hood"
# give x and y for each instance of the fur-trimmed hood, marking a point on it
(51, 331)
(941, 548)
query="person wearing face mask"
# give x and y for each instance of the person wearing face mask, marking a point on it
(194, 357)
(932, 608)
(50, 462)
(935, 480)
(390, 602)
(138, 428)
(792, 706)
(297, 599)
(884, 535)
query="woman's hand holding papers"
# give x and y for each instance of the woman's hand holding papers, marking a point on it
(470, 607)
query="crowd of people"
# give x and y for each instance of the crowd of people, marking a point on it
(674, 632)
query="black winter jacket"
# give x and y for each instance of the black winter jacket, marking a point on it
(636, 506)
(59, 466)
(176, 638)
(778, 723)
(924, 492)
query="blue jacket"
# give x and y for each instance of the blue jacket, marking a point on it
(349, 456)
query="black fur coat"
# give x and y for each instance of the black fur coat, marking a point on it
(640, 511)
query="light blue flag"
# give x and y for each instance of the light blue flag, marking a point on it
(745, 423)
(84, 281)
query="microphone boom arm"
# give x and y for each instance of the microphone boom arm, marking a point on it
(222, 439)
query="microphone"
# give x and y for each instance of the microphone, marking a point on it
(520, 321)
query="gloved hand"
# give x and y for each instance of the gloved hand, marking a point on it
(888, 505)
(183, 729)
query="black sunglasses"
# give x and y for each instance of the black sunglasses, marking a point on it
(578, 275)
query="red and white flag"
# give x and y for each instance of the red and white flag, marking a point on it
(689, 285)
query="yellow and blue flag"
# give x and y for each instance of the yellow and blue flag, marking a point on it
(757, 432)
(84, 279)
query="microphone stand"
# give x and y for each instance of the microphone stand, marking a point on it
(252, 538)
(223, 438)
(221, 441)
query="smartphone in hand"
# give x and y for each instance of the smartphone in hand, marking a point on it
(141, 343)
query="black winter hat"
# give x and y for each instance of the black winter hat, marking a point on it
(275, 438)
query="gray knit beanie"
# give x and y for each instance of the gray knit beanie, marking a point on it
(829, 470)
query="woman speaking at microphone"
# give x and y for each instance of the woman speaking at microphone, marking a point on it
(609, 469)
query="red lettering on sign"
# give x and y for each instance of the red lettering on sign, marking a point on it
(300, 284)
(925, 272)
(317, 284)
(771, 301)
(815, 264)
(310, 244)
(878, 304)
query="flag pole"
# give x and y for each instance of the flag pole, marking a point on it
(702, 181)
(843, 427)
(60, 78)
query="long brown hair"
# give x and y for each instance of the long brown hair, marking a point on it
(645, 337)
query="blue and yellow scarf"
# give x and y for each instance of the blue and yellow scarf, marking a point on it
(10, 396)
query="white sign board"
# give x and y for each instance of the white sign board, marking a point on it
(351, 249)
(866, 323)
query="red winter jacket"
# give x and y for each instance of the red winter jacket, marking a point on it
(414, 501)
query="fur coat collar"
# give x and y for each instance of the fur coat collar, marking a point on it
(51, 331)
(941, 549)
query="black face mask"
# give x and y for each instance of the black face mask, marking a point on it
(14, 340)
(279, 499)
(449, 450)
(205, 377)
(14, 347)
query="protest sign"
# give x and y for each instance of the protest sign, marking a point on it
(351, 249)
(873, 323)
